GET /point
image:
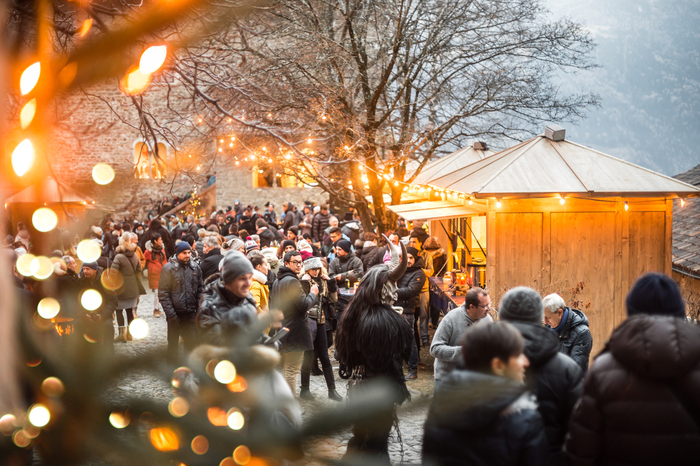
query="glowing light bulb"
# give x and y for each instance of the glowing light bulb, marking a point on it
(310, 141)
(44, 219)
(225, 372)
(48, 308)
(39, 415)
(498, 203)
(85, 27)
(471, 202)
(627, 207)
(89, 250)
(26, 115)
(103, 173)
(138, 328)
(23, 157)
(91, 299)
(135, 82)
(235, 419)
(153, 58)
(29, 78)
(682, 202)
(562, 201)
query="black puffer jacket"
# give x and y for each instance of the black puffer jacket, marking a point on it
(343, 266)
(410, 286)
(287, 295)
(371, 255)
(575, 339)
(319, 223)
(481, 419)
(629, 413)
(555, 380)
(219, 308)
(210, 263)
(267, 237)
(180, 288)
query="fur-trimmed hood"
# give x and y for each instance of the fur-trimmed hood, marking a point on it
(128, 249)
(260, 277)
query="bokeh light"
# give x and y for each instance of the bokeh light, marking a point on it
(48, 308)
(112, 279)
(200, 445)
(138, 329)
(217, 416)
(42, 266)
(7, 424)
(164, 439)
(119, 419)
(103, 173)
(91, 299)
(135, 82)
(26, 265)
(44, 219)
(228, 461)
(53, 387)
(23, 157)
(225, 372)
(31, 431)
(29, 78)
(238, 385)
(85, 27)
(26, 115)
(20, 439)
(241, 455)
(152, 59)
(39, 415)
(235, 419)
(89, 250)
(178, 407)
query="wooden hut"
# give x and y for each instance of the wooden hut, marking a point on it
(451, 162)
(557, 214)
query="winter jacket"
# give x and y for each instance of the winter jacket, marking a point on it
(210, 263)
(128, 265)
(439, 261)
(427, 268)
(270, 217)
(446, 346)
(575, 339)
(632, 411)
(327, 295)
(289, 220)
(371, 255)
(218, 310)
(319, 223)
(155, 227)
(555, 380)
(155, 260)
(287, 295)
(267, 237)
(142, 258)
(180, 288)
(410, 286)
(483, 420)
(259, 291)
(343, 266)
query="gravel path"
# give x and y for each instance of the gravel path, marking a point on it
(411, 415)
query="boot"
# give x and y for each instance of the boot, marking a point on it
(305, 394)
(121, 337)
(333, 395)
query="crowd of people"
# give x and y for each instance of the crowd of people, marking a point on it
(512, 385)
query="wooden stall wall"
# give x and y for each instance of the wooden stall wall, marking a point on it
(552, 247)
(439, 231)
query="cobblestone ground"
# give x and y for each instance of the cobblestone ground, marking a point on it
(411, 415)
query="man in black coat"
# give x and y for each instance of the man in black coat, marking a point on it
(179, 291)
(571, 325)
(287, 295)
(409, 288)
(267, 236)
(270, 216)
(554, 378)
(641, 397)
(320, 222)
(289, 217)
(209, 262)
(482, 414)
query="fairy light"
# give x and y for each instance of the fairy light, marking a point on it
(23, 157)
(29, 78)
(152, 59)
(85, 27)
(562, 201)
(498, 203)
(627, 207)
(26, 115)
(682, 202)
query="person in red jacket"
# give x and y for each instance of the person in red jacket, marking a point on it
(155, 260)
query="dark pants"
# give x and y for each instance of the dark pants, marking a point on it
(413, 361)
(184, 326)
(371, 437)
(416, 333)
(321, 348)
(120, 316)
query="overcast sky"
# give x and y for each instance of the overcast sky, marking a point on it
(649, 80)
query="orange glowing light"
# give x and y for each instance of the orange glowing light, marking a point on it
(23, 157)
(153, 58)
(178, 407)
(238, 385)
(241, 455)
(217, 417)
(228, 461)
(164, 439)
(112, 279)
(26, 115)
(119, 419)
(85, 28)
(53, 387)
(29, 78)
(135, 82)
(20, 439)
(67, 74)
(34, 362)
(200, 445)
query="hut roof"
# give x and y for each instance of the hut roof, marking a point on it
(686, 228)
(48, 191)
(542, 166)
(451, 162)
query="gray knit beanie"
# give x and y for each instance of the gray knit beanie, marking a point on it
(234, 265)
(522, 304)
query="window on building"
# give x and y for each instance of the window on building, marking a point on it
(146, 165)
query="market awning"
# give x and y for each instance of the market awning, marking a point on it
(433, 210)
